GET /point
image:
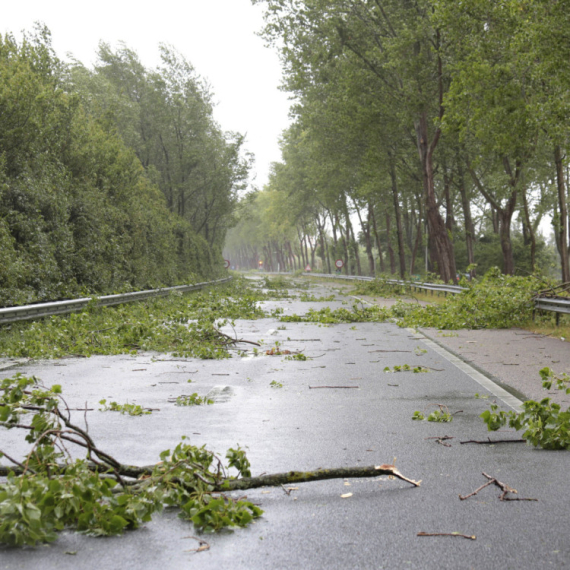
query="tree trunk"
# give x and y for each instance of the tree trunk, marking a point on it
(399, 229)
(562, 226)
(377, 238)
(469, 226)
(530, 230)
(389, 244)
(443, 247)
(368, 240)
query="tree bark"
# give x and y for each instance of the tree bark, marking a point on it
(562, 226)
(389, 245)
(469, 226)
(399, 229)
(377, 238)
(442, 245)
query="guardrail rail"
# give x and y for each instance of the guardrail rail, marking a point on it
(28, 312)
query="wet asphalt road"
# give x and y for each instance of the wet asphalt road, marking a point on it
(296, 427)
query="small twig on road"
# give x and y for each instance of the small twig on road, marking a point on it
(503, 486)
(469, 536)
(202, 545)
(442, 439)
(491, 441)
(316, 387)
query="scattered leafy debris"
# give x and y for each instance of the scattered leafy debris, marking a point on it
(308, 298)
(184, 325)
(407, 368)
(441, 415)
(327, 315)
(130, 409)
(192, 400)
(275, 384)
(297, 356)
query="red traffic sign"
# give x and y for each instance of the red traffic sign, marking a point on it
(339, 263)
(226, 263)
(308, 268)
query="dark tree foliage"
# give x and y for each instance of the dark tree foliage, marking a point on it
(78, 212)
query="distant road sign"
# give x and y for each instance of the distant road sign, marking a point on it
(308, 268)
(339, 263)
(226, 263)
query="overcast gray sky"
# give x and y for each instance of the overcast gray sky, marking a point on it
(216, 36)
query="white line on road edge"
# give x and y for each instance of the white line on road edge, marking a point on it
(481, 379)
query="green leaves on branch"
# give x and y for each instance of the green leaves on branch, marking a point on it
(544, 423)
(130, 409)
(193, 400)
(49, 491)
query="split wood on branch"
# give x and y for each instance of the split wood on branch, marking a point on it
(270, 480)
(503, 486)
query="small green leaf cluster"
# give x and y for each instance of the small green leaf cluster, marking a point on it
(299, 356)
(545, 424)
(275, 384)
(130, 409)
(193, 400)
(407, 368)
(435, 416)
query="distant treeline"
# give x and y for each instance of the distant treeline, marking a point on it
(111, 179)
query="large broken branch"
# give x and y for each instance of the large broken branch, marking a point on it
(272, 480)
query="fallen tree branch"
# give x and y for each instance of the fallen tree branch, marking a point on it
(503, 486)
(270, 480)
(277, 479)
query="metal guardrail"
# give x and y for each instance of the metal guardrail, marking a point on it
(555, 305)
(27, 312)
(439, 287)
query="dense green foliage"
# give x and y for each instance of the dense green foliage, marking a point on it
(428, 135)
(545, 424)
(56, 492)
(81, 208)
(496, 301)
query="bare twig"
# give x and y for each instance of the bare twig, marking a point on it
(316, 387)
(202, 545)
(491, 441)
(469, 536)
(503, 486)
